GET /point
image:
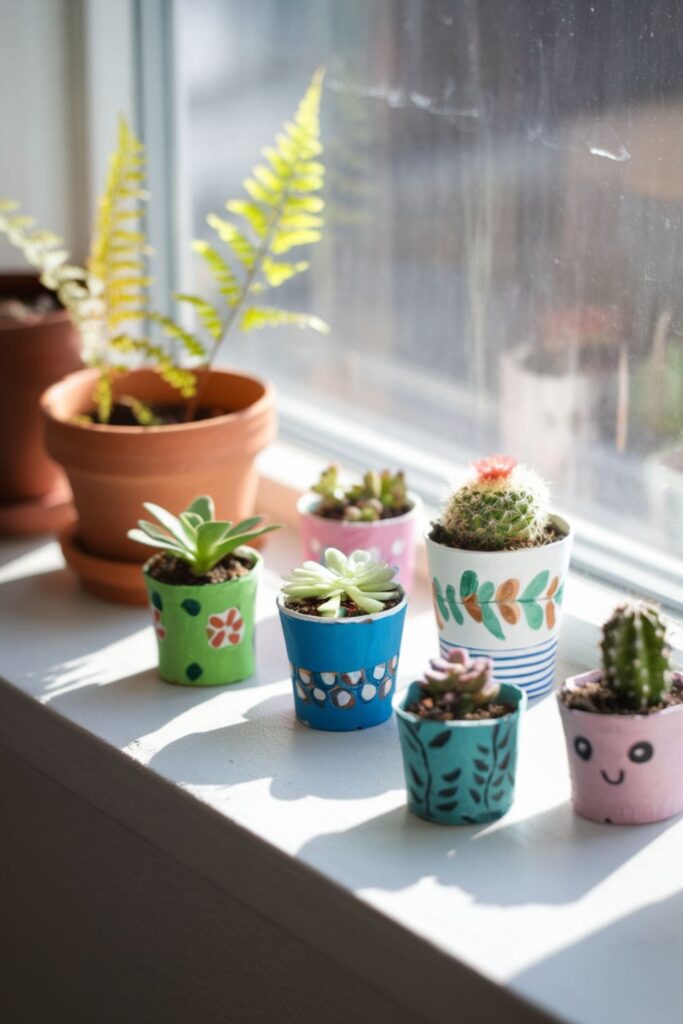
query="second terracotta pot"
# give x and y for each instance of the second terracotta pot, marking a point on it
(113, 470)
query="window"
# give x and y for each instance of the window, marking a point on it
(503, 252)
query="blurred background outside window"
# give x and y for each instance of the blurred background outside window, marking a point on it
(503, 257)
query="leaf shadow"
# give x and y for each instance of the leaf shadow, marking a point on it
(645, 945)
(534, 858)
(301, 762)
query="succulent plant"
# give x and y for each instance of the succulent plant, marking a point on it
(636, 658)
(377, 494)
(470, 680)
(367, 583)
(195, 536)
(504, 506)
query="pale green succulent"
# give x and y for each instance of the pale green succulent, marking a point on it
(196, 536)
(367, 583)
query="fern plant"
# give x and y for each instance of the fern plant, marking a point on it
(107, 299)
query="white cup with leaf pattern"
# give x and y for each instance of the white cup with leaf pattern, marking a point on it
(506, 605)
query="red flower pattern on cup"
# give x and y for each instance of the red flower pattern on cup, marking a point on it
(158, 624)
(225, 629)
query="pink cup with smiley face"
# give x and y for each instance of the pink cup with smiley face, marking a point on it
(625, 769)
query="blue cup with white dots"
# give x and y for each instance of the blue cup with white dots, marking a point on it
(343, 670)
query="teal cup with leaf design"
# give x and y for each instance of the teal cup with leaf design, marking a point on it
(505, 605)
(460, 772)
(205, 633)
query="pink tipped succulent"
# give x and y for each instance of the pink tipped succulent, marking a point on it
(495, 467)
(470, 680)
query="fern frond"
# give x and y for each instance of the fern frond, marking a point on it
(281, 212)
(252, 213)
(256, 318)
(228, 285)
(171, 329)
(228, 233)
(118, 236)
(103, 396)
(207, 313)
(276, 272)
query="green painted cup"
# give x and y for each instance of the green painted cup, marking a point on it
(205, 633)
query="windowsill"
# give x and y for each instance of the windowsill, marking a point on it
(571, 916)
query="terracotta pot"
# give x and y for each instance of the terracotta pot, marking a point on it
(112, 470)
(33, 492)
(625, 769)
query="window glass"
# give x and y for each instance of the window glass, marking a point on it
(503, 255)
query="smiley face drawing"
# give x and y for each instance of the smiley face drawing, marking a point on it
(625, 769)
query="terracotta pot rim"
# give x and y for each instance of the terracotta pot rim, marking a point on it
(556, 519)
(574, 683)
(263, 400)
(257, 561)
(401, 697)
(370, 617)
(307, 499)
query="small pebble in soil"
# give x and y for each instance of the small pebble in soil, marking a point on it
(445, 709)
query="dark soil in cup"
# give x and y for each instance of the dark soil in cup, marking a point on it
(337, 513)
(168, 569)
(596, 697)
(441, 536)
(311, 606)
(123, 415)
(27, 309)
(444, 708)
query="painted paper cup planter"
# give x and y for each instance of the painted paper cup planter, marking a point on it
(460, 771)
(344, 659)
(363, 516)
(205, 633)
(498, 562)
(202, 593)
(623, 725)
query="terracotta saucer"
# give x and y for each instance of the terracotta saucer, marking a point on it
(48, 514)
(121, 582)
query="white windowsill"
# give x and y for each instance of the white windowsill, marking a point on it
(571, 916)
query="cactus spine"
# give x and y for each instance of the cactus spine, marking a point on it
(470, 681)
(636, 658)
(505, 506)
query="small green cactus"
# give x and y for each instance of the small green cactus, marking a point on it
(469, 680)
(505, 506)
(636, 658)
(376, 497)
